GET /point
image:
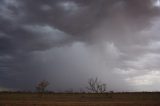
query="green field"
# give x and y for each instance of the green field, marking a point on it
(80, 99)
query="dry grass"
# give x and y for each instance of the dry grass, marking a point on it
(116, 99)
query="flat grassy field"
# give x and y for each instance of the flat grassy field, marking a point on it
(80, 99)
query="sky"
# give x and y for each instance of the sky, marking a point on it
(67, 42)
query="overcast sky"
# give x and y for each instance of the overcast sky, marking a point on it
(66, 42)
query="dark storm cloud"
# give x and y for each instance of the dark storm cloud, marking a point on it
(86, 17)
(88, 14)
(35, 34)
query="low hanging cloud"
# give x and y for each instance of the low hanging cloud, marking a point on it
(69, 41)
(46, 36)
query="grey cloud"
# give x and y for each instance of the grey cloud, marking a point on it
(63, 40)
(46, 37)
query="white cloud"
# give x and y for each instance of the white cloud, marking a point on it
(6, 13)
(69, 6)
(153, 31)
(9, 14)
(152, 77)
(128, 71)
(146, 61)
(156, 3)
(46, 33)
(112, 51)
(154, 45)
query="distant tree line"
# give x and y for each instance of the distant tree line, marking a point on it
(94, 86)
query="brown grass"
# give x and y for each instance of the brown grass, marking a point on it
(50, 99)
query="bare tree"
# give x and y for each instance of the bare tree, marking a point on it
(95, 86)
(42, 86)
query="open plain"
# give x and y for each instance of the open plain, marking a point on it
(80, 99)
